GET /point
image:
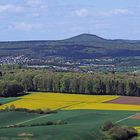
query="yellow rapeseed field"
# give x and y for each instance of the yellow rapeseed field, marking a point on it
(137, 128)
(68, 102)
(56, 100)
(105, 106)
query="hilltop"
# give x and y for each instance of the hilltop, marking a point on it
(81, 46)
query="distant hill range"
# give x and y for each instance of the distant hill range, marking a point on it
(81, 46)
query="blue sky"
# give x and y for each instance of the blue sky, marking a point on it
(59, 19)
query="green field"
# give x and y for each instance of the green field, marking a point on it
(8, 100)
(81, 124)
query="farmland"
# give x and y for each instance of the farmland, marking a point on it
(69, 70)
(56, 101)
(81, 124)
(59, 101)
(84, 115)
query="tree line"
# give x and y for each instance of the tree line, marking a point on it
(18, 81)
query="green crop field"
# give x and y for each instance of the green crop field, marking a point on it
(10, 118)
(81, 124)
(8, 100)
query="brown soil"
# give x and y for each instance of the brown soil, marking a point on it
(126, 100)
(137, 117)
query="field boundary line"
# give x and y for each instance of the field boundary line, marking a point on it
(32, 119)
(127, 117)
(70, 105)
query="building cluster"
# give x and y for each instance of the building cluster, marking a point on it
(12, 60)
(56, 63)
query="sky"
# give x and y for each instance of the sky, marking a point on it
(60, 19)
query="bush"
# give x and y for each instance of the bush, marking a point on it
(107, 125)
(6, 108)
(12, 107)
(131, 132)
(59, 122)
(118, 132)
(21, 109)
(39, 111)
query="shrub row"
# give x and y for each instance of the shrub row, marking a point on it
(59, 122)
(38, 111)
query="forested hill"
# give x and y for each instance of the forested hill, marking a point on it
(81, 46)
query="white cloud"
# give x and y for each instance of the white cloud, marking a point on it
(82, 12)
(31, 7)
(10, 8)
(34, 2)
(116, 12)
(37, 7)
(24, 26)
(39, 4)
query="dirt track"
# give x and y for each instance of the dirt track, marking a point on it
(126, 100)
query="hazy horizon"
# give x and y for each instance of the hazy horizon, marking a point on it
(68, 38)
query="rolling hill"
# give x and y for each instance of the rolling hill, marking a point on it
(81, 46)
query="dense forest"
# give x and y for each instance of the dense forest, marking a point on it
(14, 82)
